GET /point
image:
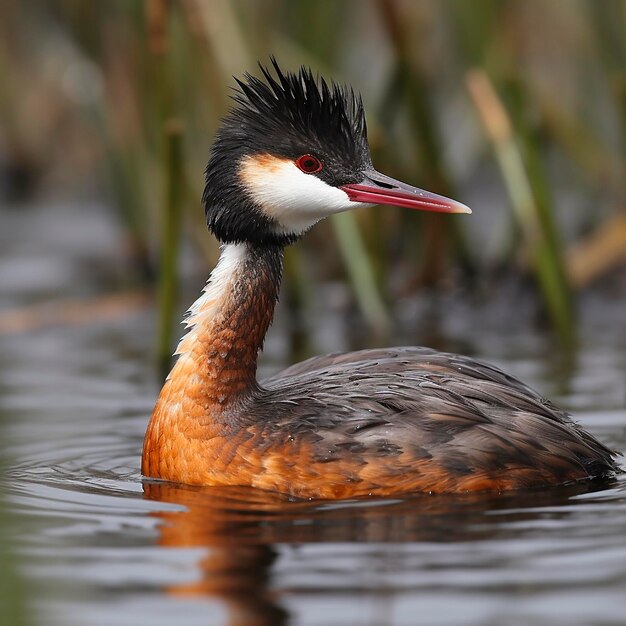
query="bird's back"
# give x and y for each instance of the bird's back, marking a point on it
(413, 419)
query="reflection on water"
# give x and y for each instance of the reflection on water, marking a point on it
(236, 566)
(97, 546)
(241, 529)
(226, 517)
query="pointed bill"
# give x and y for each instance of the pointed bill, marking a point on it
(377, 188)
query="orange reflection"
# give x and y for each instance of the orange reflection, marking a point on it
(242, 527)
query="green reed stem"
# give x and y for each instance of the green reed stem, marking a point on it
(530, 205)
(12, 596)
(361, 272)
(410, 84)
(170, 241)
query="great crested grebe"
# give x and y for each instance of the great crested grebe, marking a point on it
(292, 151)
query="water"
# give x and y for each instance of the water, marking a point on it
(95, 545)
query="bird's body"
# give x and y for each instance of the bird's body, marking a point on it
(380, 422)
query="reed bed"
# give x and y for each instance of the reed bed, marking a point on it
(517, 108)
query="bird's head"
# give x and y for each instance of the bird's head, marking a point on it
(292, 151)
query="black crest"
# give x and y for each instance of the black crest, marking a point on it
(308, 109)
(287, 115)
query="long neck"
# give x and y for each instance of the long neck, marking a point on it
(218, 356)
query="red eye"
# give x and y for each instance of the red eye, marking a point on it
(309, 164)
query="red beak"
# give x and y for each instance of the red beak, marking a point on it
(377, 188)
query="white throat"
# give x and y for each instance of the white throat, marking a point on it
(214, 295)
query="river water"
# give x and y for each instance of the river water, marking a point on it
(95, 545)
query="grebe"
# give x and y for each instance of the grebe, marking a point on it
(292, 151)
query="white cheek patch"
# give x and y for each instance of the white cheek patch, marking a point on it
(294, 199)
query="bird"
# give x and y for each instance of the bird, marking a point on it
(292, 150)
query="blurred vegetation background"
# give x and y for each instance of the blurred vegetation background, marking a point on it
(515, 107)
